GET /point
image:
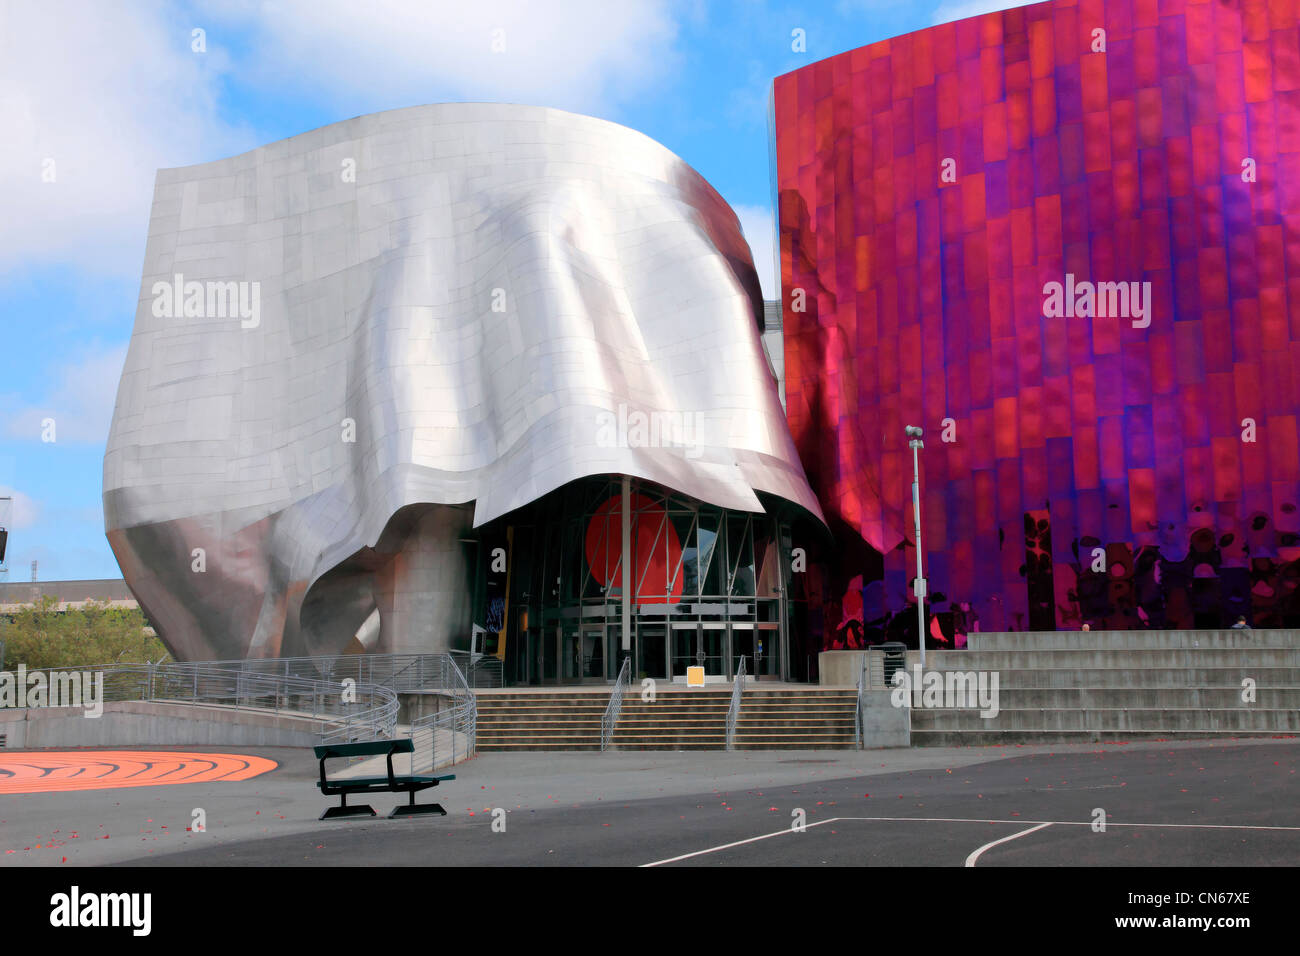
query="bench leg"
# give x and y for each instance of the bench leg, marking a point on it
(412, 809)
(343, 810)
(347, 812)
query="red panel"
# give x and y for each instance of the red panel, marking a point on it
(1122, 166)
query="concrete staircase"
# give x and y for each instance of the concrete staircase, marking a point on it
(811, 719)
(527, 720)
(1117, 685)
(674, 720)
(696, 719)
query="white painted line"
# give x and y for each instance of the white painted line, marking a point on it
(1039, 825)
(728, 846)
(970, 860)
(1066, 823)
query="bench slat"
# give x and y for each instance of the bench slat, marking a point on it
(402, 745)
(376, 781)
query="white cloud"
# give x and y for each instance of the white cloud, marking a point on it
(947, 12)
(109, 93)
(581, 55)
(23, 512)
(80, 399)
(112, 92)
(759, 228)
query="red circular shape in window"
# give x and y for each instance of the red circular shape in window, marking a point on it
(655, 543)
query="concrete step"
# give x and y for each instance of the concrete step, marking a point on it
(671, 745)
(839, 727)
(809, 712)
(527, 729)
(670, 708)
(1133, 658)
(1057, 686)
(1148, 677)
(794, 735)
(542, 712)
(669, 741)
(795, 745)
(538, 745)
(1130, 640)
(1017, 721)
(1099, 698)
(524, 721)
(794, 741)
(515, 703)
(809, 718)
(981, 738)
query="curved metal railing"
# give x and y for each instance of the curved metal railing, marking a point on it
(352, 697)
(343, 712)
(480, 670)
(450, 734)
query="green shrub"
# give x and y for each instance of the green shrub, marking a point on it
(44, 637)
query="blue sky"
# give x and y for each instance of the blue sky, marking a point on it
(111, 92)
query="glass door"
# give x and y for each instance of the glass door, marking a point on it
(652, 651)
(742, 645)
(695, 646)
(591, 663)
(571, 655)
(530, 647)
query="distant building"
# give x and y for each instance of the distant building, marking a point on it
(16, 596)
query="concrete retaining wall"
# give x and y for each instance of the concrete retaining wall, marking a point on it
(839, 668)
(412, 705)
(883, 724)
(152, 723)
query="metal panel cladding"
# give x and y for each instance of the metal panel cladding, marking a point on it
(454, 307)
(1065, 239)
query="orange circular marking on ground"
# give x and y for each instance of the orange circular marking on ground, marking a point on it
(51, 772)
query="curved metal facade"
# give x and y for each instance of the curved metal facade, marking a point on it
(931, 188)
(446, 312)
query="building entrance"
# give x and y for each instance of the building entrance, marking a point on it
(697, 645)
(701, 583)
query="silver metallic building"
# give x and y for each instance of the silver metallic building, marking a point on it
(356, 346)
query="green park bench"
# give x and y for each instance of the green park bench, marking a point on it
(393, 783)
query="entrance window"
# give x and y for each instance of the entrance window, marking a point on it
(702, 578)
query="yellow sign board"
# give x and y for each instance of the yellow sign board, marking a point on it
(695, 677)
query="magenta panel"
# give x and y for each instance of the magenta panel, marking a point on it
(1143, 156)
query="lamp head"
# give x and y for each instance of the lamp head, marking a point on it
(913, 431)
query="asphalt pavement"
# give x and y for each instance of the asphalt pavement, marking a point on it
(1221, 803)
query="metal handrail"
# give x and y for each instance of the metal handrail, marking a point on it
(456, 727)
(615, 706)
(858, 729)
(481, 670)
(308, 687)
(343, 714)
(733, 712)
(400, 671)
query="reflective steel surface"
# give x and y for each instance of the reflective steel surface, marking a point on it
(438, 314)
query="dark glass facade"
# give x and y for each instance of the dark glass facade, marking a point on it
(707, 586)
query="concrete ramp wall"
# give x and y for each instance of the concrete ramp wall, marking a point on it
(154, 723)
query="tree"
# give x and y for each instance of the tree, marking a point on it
(42, 636)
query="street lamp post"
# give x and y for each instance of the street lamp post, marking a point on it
(914, 433)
